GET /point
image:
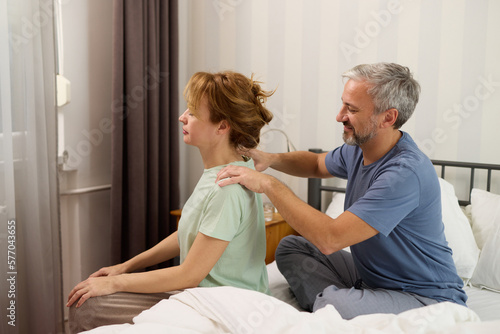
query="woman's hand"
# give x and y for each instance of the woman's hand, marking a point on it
(110, 271)
(92, 287)
(99, 283)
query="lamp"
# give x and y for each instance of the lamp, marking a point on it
(289, 145)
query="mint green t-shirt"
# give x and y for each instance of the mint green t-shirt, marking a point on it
(231, 213)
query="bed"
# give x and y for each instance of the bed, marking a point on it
(472, 228)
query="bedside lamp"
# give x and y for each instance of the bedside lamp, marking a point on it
(289, 145)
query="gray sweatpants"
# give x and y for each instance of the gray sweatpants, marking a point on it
(318, 280)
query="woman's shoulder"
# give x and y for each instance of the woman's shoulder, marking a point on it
(246, 162)
(210, 176)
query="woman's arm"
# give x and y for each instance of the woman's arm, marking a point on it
(202, 257)
(165, 250)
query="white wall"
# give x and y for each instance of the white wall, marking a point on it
(85, 219)
(302, 48)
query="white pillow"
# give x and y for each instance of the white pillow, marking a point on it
(458, 232)
(485, 211)
(336, 206)
(485, 214)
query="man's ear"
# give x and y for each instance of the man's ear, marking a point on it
(390, 117)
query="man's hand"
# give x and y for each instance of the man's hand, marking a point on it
(251, 179)
(262, 160)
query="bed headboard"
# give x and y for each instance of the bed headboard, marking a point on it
(315, 187)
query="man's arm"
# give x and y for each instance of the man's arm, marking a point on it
(329, 235)
(298, 163)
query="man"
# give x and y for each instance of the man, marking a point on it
(399, 256)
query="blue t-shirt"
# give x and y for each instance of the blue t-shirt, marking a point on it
(399, 196)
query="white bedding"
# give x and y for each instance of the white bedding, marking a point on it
(484, 302)
(233, 310)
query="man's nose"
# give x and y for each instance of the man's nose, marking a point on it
(342, 115)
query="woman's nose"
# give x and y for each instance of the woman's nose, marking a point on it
(182, 117)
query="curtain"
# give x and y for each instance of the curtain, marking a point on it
(145, 153)
(30, 261)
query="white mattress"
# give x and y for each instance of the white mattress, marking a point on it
(485, 303)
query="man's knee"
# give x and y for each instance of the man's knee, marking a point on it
(287, 245)
(294, 245)
(295, 261)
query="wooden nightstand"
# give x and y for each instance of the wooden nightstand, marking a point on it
(177, 214)
(276, 230)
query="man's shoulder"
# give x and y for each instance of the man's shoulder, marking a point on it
(407, 154)
(344, 153)
(406, 161)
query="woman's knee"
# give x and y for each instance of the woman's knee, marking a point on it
(83, 318)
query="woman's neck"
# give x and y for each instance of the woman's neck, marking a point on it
(213, 157)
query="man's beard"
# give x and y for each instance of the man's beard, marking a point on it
(358, 139)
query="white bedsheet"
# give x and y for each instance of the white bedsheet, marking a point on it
(233, 310)
(484, 302)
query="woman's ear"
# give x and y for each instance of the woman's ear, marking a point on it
(223, 127)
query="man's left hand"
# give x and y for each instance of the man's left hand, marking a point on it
(251, 179)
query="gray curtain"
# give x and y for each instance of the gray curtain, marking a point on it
(145, 148)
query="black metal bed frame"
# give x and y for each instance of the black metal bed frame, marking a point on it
(315, 186)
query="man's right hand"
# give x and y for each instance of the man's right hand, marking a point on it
(262, 160)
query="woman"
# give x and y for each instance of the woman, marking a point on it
(221, 234)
